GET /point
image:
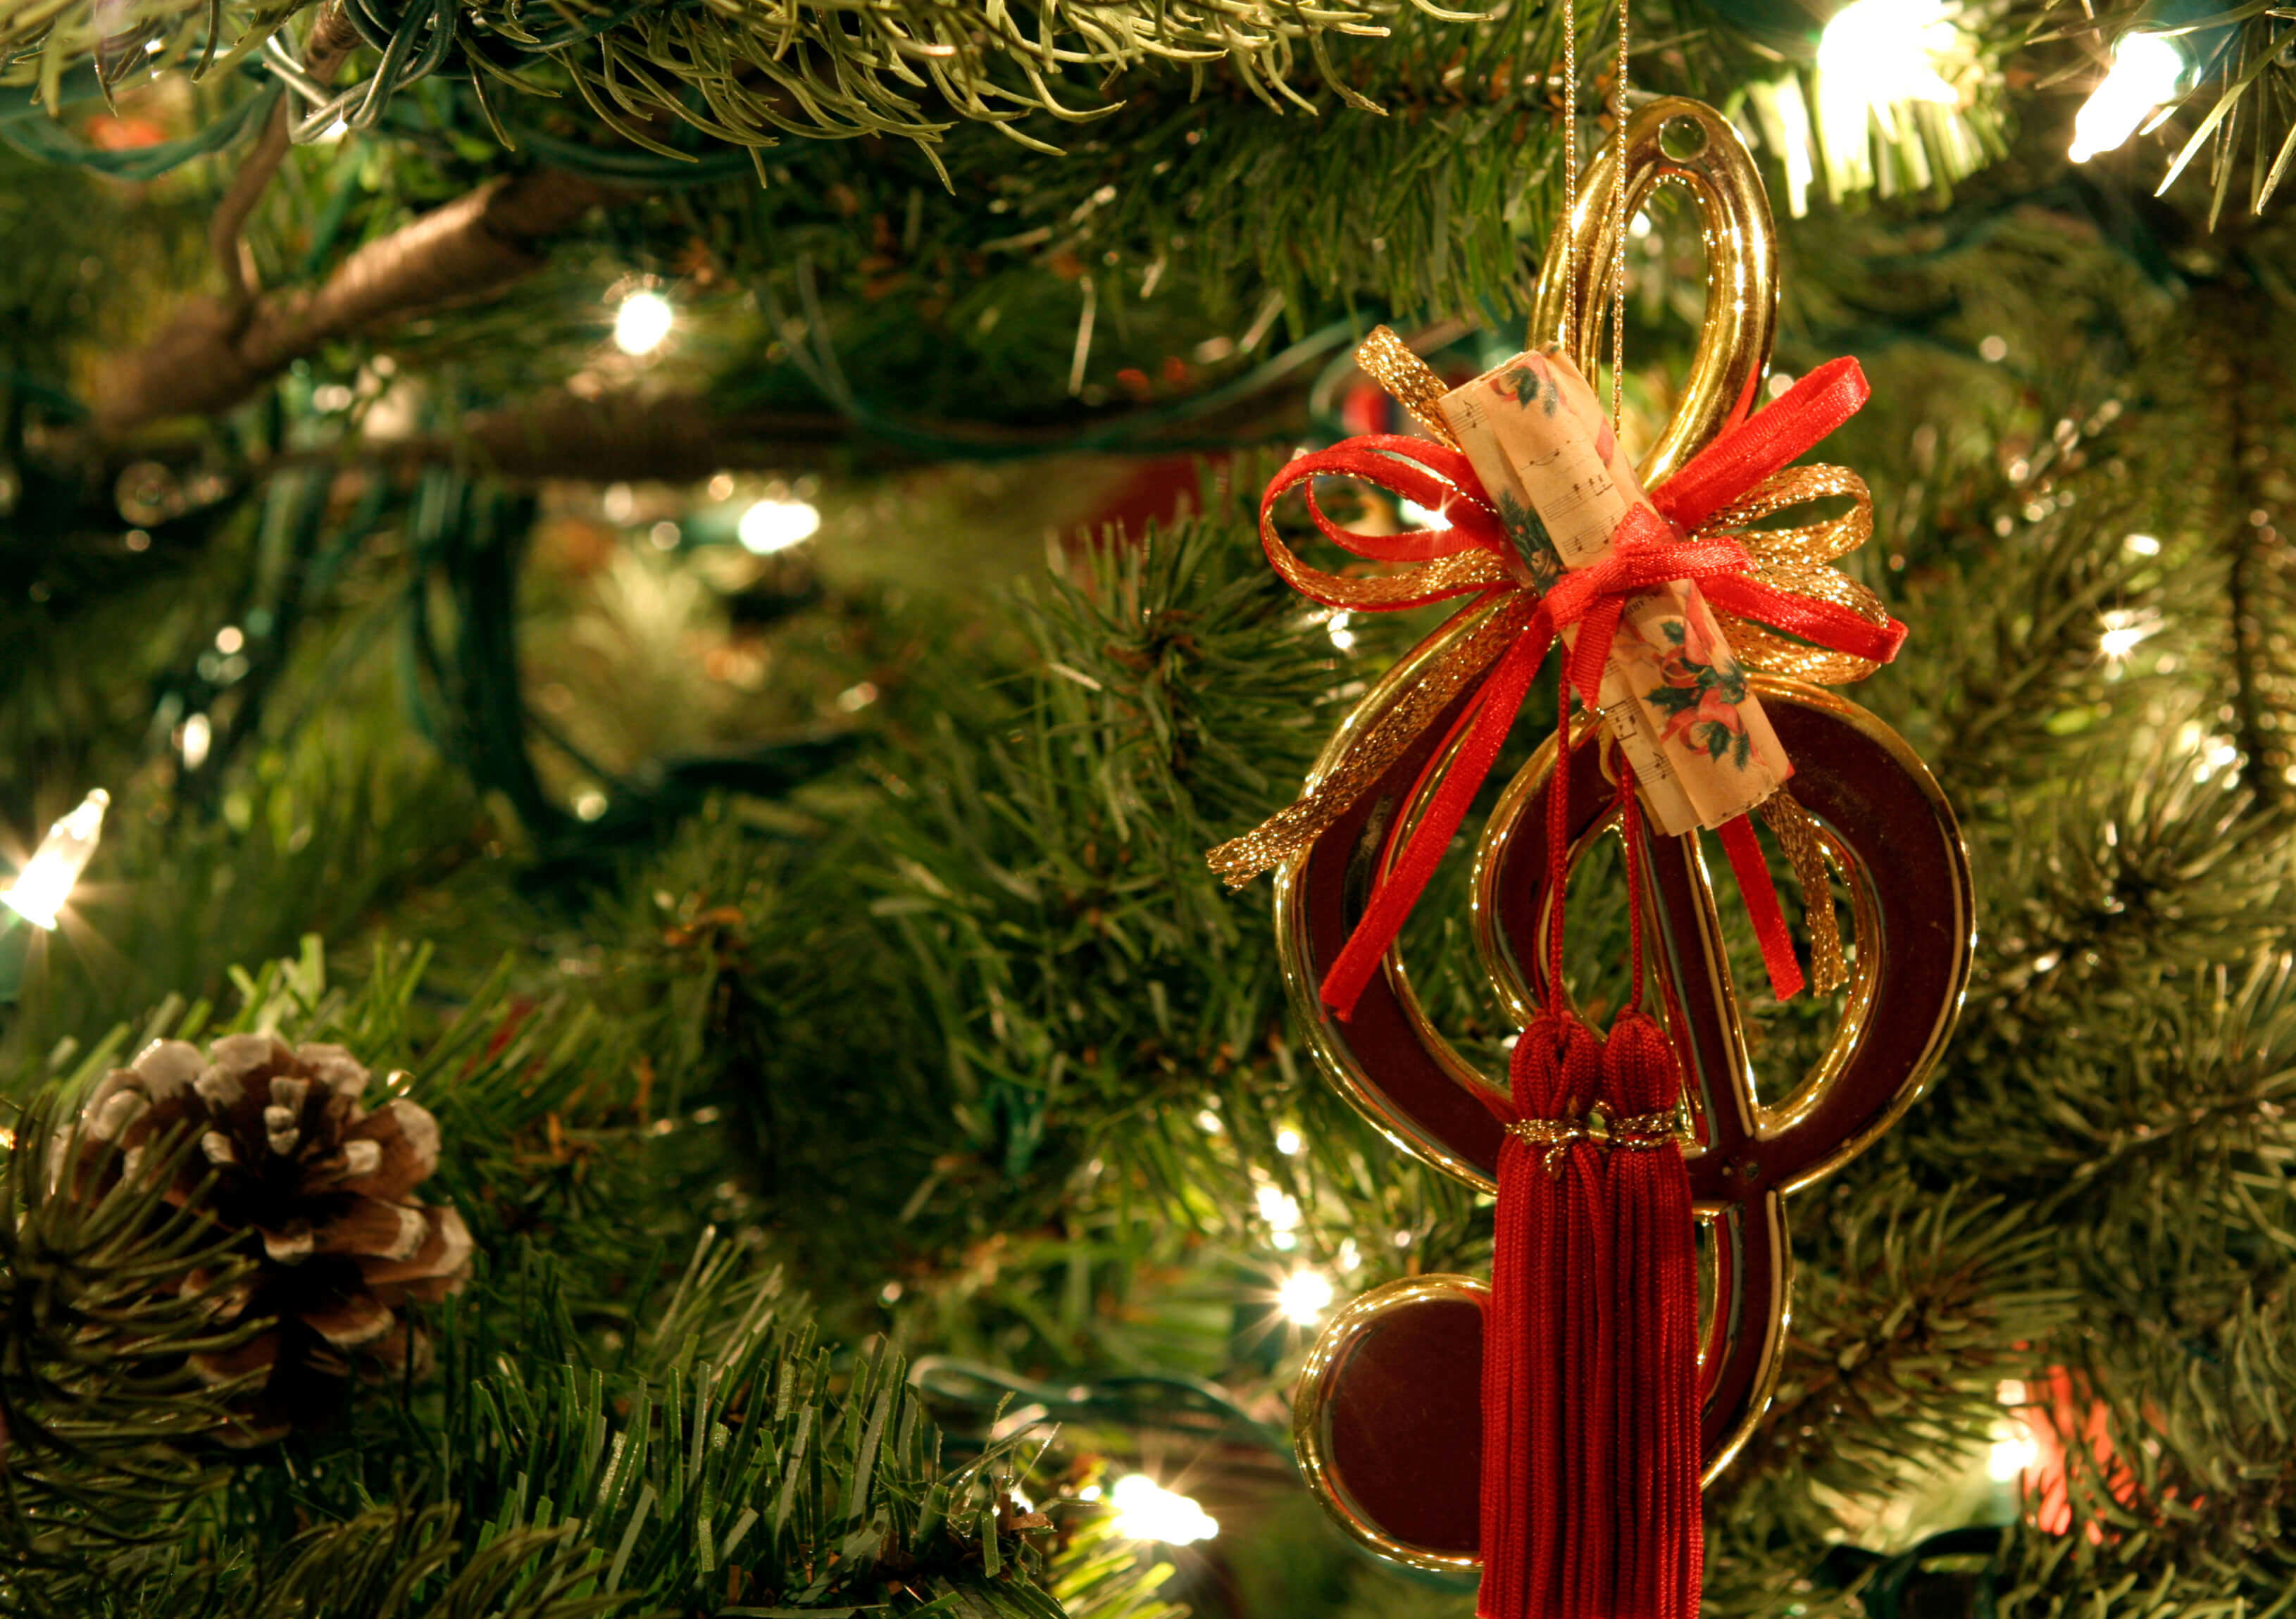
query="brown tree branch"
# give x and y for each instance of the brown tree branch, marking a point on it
(213, 355)
(331, 40)
(628, 436)
(621, 437)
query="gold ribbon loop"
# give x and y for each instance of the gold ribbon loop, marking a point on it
(1369, 755)
(1391, 363)
(1386, 593)
(1798, 834)
(1794, 559)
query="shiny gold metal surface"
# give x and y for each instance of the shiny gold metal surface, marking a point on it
(1329, 1039)
(1888, 830)
(1394, 1380)
(1368, 1507)
(1741, 268)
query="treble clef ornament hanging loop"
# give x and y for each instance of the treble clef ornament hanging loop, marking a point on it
(1388, 1418)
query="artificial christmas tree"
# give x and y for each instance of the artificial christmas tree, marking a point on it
(575, 542)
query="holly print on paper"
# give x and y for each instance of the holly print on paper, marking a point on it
(1531, 541)
(1527, 385)
(1700, 688)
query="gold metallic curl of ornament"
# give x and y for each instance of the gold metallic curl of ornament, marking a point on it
(1674, 141)
(1387, 1418)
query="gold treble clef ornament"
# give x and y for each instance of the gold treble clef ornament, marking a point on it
(1387, 1418)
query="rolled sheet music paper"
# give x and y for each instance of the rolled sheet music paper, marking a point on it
(1673, 694)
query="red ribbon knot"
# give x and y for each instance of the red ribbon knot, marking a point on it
(1471, 553)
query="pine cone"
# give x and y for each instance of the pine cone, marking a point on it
(325, 1193)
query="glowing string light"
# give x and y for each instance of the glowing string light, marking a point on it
(2123, 630)
(1304, 1297)
(46, 881)
(1278, 1207)
(2014, 1451)
(1433, 517)
(1885, 52)
(642, 322)
(1147, 1511)
(2145, 69)
(773, 524)
(1281, 1210)
(1783, 116)
(1874, 56)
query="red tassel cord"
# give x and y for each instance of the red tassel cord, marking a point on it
(1591, 1444)
(1654, 1295)
(1543, 1332)
(1547, 1363)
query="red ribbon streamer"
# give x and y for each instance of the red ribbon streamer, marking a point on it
(1647, 551)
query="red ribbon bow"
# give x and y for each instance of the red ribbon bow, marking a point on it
(1475, 554)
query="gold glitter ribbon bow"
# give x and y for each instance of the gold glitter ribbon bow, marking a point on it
(1839, 631)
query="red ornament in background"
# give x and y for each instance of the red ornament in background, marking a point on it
(1156, 492)
(125, 133)
(2073, 1455)
(1366, 407)
(1353, 397)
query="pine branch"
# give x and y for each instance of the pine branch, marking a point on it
(210, 356)
(1058, 989)
(1904, 1319)
(805, 67)
(2178, 1495)
(331, 40)
(2237, 111)
(728, 1457)
(738, 1458)
(97, 1403)
(2244, 384)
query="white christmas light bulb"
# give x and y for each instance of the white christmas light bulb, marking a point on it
(1875, 54)
(2145, 69)
(1304, 1297)
(2013, 1451)
(2122, 631)
(643, 323)
(1147, 1511)
(772, 525)
(45, 882)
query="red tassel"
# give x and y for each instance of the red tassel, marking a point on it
(1660, 1551)
(1547, 1483)
(1591, 1453)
